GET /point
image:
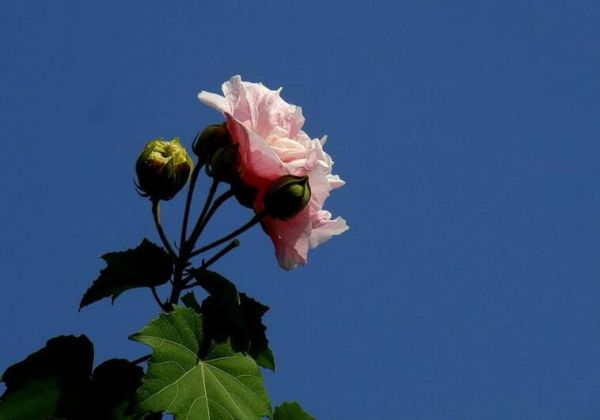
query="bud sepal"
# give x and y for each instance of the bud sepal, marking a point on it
(163, 169)
(287, 197)
(224, 164)
(211, 139)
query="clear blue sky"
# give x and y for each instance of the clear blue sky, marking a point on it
(467, 132)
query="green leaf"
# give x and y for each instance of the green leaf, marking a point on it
(221, 385)
(57, 381)
(233, 316)
(291, 411)
(148, 265)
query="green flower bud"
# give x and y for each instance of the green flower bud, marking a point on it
(224, 164)
(287, 196)
(244, 194)
(163, 168)
(210, 140)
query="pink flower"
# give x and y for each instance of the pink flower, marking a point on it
(272, 144)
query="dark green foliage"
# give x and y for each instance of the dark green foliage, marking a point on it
(147, 265)
(222, 384)
(57, 382)
(291, 411)
(230, 315)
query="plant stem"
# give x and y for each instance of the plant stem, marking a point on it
(161, 232)
(157, 298)
(141, 359)
(189, 245)
(205, 264)
(177, 283)
(256, 219)
(188, 203)
(231, 246)
(215, 206)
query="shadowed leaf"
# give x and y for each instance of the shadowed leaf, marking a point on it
(233, 316)
(49, 381)
(145, 266)
(57, 382)
(113, 389)
(291, 411)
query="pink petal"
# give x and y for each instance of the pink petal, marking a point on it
(259, 160)
(214, 101)
(263, 107)
(324, 228)
(290, 238)
(335, 181)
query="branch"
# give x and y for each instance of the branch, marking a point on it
(256, 219)
(159, 228)
(188, 202)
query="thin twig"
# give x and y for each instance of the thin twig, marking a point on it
(188, 202)
(159, 228)
(141, 359)
(256, 219)
(198, 228)
(231, 246)
(215, 206)
(205, 264)
(157, 299)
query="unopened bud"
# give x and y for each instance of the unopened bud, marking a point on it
(163, 168)
(224, 164)
(287, 196)
(210, 140)
(244, 193)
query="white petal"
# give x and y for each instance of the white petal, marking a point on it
(214, 101)
(327, 229)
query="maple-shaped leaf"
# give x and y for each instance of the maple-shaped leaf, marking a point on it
(222, 384)
(148, 265)
(230, 315)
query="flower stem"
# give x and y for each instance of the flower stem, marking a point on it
(157, 298)
(215, 206)
(159, 228)
(205, 264)
(188, 202)
(177, 284)
(256, 219)
(199, 224)
(141, 359)
(231, 246)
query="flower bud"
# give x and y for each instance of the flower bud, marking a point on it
(210, 140)
(245, 194)
(163, 168)
(224, 164)
(287, 196)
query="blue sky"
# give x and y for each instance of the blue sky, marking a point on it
(467, 132)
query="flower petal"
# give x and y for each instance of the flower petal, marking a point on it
(258, 159)
(272, 144)
(290, 238)
(324, 228)
(215, 101)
